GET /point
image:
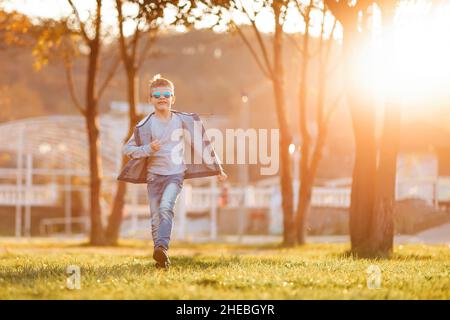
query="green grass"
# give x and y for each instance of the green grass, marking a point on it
(37, 270)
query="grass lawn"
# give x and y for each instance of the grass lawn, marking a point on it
(37, 270)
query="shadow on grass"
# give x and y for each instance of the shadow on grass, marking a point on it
(394, 256)
(28, 275)
(411, 257)
(224, 245)
(192, 263)
(147, 244)
(348, 254)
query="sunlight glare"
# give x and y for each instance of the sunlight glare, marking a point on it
(419, 67)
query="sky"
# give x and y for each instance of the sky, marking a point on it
(58, 8)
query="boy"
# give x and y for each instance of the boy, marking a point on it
(158, 160)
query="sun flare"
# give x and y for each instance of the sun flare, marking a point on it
(417, 67)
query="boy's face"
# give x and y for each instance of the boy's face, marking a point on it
(162, 98)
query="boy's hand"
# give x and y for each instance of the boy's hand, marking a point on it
(222, 176)
(155, 145)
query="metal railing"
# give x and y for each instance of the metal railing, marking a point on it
(37, 195)
(47, 226)
(208, 199)
(200, 198)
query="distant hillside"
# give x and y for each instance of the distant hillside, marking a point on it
(210, 72)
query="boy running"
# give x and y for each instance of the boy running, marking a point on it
(158, 159)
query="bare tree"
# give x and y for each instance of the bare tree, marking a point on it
(311, 150)
(373, 187)
(270, 62)
(382, 233)
(363, 119)
(93, 40)
(65, 39)
(148, 21)
(132, 59)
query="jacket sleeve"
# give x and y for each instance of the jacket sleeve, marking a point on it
(216, 157)
(218, 161)
(210, 147)
(133, 151)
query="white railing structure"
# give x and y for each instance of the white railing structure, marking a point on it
(331, 197)
(201, 198)
(46, 225)
(430, 190)
(443, 189)
(207, 199)
(36, 195)
(55, 147)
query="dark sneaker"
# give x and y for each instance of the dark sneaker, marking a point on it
(161, 257)
(161, 266)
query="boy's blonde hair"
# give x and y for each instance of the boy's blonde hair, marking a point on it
(159, 81)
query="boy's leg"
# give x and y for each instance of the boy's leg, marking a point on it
(154, 219)
(166, 206)
(154, 198)
(163, 192)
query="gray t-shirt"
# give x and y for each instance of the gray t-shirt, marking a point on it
(170, 158)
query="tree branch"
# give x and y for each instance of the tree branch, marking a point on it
(148, 44)
(330, 41)
(71, 87)
(135, 41)
(261, 43)
(98, 23)
(111, 73)
(267, 73)
(123, 47)
(81, 23)
(362, 5)
(342, 11)
(300, 9)
(332, 109)
(295, 43)
(322, 130)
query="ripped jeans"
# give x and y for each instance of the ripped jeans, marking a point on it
(163, 191)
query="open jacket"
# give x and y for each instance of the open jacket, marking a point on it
(137, 148)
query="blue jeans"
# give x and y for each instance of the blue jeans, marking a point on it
(162, 195)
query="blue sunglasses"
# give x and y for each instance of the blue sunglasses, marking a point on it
(158, 95)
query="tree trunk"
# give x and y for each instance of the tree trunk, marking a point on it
(382, 239)
(373, 195)
(311, 156)
(287, 193)
(362, 195)
(383, 220)
(285, 137)
(304, 204)
(304, 192)
(97, 236)
(97, 233)
(116, 215)
(363, 119)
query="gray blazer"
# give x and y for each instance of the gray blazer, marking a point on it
(135, 171)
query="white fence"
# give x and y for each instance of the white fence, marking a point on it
(331, 197)
(36, 195)
(208, 200)
(201, 198)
